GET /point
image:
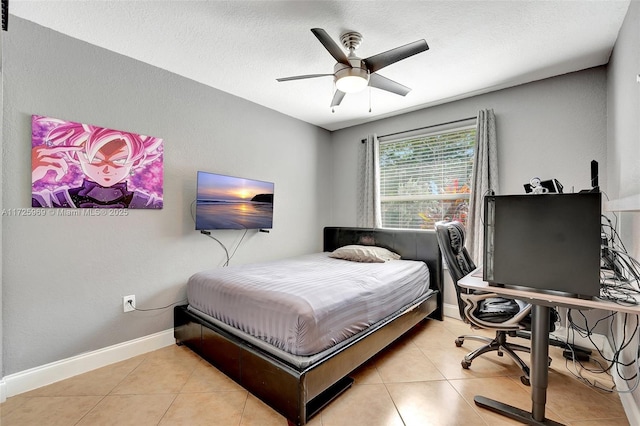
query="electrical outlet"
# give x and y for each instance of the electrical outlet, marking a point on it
(126, 306)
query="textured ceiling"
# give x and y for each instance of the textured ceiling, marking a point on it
(241, 47)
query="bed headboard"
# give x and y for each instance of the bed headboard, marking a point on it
(410, 244)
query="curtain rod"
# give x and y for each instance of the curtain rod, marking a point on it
(426, 127)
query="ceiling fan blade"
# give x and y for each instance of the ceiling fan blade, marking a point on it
(333, 48)
(300, 77)
(337, 98)
(380, 82)
(381, 60)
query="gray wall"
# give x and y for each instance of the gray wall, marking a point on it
(623, 138)
(551, 128)
(64, 277)
(623, 148)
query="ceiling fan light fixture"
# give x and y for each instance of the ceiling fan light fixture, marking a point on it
(351, 80)
(352, 74)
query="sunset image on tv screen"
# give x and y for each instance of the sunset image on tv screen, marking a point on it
(228, 202)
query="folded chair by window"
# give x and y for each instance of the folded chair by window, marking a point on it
(482, 309)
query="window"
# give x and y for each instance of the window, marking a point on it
(427, 178)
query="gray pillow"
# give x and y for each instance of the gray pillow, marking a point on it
(368, 254)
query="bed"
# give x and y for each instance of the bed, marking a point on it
(297, 375)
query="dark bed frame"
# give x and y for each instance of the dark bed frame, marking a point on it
(297, 393)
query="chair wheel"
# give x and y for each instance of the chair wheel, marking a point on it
(465, 364)
(500, 353)
(549, 363)
(525, 380)
(459, 342)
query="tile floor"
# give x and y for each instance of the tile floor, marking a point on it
(417, 381)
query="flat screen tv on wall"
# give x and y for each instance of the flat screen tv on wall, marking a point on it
(229, 202)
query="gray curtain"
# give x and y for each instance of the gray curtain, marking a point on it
(369, 215)
(483, 180)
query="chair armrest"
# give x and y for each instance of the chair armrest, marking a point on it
(472, 301)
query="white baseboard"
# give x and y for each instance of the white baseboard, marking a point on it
(451, 311)
(17, 383)
(629, 403)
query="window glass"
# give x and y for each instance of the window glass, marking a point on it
(426, 179)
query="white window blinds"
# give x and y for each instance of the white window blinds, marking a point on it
(424, 179)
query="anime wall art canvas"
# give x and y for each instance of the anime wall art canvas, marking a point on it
(78, 165)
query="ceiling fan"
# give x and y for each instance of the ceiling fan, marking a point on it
(352, 74)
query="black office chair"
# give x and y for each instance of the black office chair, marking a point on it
(483, 310)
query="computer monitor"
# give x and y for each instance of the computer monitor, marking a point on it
(544, 242)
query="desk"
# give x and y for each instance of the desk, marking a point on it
(539, 342)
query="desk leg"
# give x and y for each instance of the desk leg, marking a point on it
(539, 360)
(539, 375)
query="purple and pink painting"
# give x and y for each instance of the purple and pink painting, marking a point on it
(78, 165)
